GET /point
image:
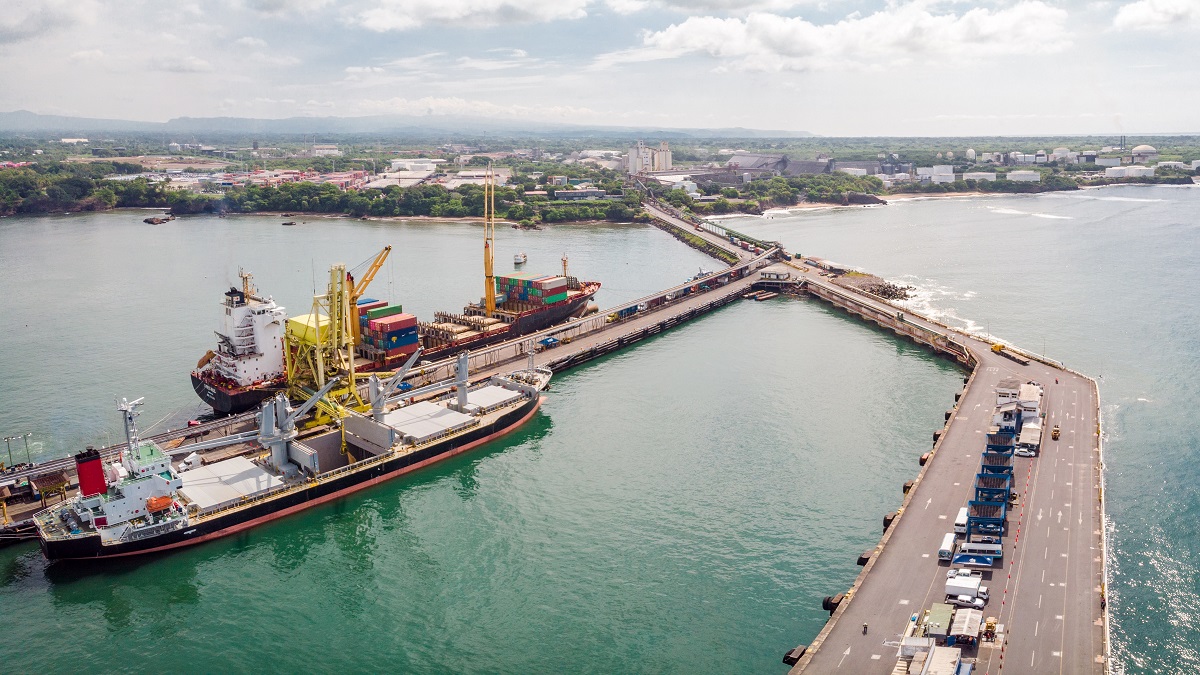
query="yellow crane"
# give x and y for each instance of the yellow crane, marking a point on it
(489, 242)
(321, 345)
(357, 289)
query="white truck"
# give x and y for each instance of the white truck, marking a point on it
(970, 586)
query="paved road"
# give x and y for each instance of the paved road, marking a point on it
(1046, 593)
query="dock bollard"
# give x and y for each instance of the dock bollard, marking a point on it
(793, 657)
(936, 435)
(949, 413)
(865, 557)
(887, 520)
(831, 602)
(907, 486)
(957, 397)
(925, 458)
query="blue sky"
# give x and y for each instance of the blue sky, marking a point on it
(832, 67)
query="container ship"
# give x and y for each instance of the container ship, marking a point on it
(256, 338)
(147, 501)
(247, 366)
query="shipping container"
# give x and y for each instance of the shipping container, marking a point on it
(391, 323)
(390, 310)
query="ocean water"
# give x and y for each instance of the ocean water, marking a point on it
(681, 506)
(1105, 281)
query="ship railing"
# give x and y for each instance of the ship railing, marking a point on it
(135, 534)
(296, 487)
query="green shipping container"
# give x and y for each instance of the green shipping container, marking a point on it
(385, 311)
(555, 298)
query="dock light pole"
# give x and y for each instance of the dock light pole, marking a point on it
(8, 442)
(25, 437)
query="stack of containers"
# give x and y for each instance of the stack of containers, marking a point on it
(537, 289)
(394, 334)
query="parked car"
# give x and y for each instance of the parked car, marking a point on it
(966, 601)
(962, 572)
(1025, 452)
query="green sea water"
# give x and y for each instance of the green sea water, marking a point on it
(681, 506)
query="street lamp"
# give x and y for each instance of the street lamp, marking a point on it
(25, 437)
(7, 442)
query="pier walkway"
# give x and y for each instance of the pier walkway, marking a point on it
(1047, 592)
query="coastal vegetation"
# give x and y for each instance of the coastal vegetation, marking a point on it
(59, 186)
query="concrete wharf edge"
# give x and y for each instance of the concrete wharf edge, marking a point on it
(858, 304)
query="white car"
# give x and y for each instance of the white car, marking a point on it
(964, 573)
(965, 601)
(1025, 452)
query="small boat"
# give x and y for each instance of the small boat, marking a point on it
(289, 222)
(520, 259)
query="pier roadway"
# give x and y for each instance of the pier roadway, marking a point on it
(1047, 591)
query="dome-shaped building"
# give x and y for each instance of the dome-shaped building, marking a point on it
(1144, 153)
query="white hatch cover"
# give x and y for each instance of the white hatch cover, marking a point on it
(422, 421)
(492, 396)
(226, 482)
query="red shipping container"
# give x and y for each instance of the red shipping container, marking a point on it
(391, 323)
(363, 309)
(406, 350)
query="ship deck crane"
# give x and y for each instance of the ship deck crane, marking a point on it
(326, 348)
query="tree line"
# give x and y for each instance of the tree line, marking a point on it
(83, 187)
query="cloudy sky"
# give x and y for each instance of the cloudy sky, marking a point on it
(832, 67)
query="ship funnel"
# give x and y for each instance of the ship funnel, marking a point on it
(90, 469)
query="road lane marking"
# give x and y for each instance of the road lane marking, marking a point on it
(844, 655)
(928, 503)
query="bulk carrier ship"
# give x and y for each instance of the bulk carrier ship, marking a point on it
(147, 502)
(250, 363)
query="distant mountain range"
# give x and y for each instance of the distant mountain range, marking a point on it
(398, 125)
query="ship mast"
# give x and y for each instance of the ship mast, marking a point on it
(489, 236)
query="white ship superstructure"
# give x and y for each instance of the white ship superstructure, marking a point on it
(249, 338)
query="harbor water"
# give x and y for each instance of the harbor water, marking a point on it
(681, 506)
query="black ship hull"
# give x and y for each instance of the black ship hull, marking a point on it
(225, 402)
(90, 547)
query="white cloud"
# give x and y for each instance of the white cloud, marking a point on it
(1157, 15)
(431, 105)
(418, 63)
(248, 41)
(738, 7)
(276, 7)
(27, 19)
(363, 69)
(87, 55)
(184, 64)
(399, 15)
(898, 34)
(274, 59)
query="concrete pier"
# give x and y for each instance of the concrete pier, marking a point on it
(1047, 591)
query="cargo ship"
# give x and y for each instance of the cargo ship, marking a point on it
(250, 362)
(148, 502)
(247, 366)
